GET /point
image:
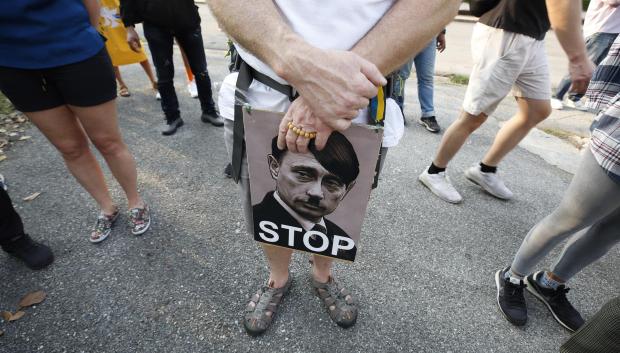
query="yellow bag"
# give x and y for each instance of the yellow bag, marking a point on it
(112, 28)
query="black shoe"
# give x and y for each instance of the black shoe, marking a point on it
(430, 123)
(213, 118)
(172, 126)
(555, 299)
(228, 171)
(510, 299)
(35, 255)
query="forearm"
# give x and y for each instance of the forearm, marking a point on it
(92, 7)
(128, 13)
(252, 28)
(399, 34)
(565, 18)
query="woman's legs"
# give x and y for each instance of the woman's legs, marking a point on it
(119, 78)
(101, 125)
(64, 131)
(587, 246)
(591, 197)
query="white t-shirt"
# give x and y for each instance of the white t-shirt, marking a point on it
(326, 24)
(601, 17)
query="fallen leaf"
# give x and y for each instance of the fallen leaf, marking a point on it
(6, 315)
(25, 138)
(2, 157)
(18, 315)
(32, 197)
(32, 299)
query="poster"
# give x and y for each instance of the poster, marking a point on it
(313, 202)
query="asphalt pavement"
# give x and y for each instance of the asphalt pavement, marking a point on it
(423, 276)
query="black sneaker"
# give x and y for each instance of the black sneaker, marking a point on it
(510, 299)
(430, 123)
(212, 118)
(228, 171)
(171, 127)
(35, 255)
(555, 299)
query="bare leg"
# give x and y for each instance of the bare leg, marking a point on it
(101, 126)
(63, 130)
(279, 259)
(531, 112)
(455, 136)
(119, 78)
(188, 70)
(149, 72)
(322, 268)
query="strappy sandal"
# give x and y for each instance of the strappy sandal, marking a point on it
(262, 308)
(340, 304)
(124, 91)
(103, 227)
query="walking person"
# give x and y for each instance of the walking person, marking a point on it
(59, 74)
(424, 63)
(14, 241)
(600, 29)
(164, 21)
(588, 216)
(333, 53)
(112, 28)
(509, 54)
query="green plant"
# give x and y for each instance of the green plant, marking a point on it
(458, 79)
(5, 106)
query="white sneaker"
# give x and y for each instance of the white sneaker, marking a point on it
(440, 185)
(490, 182)
(192, 89)
(576, 105)
(158, 96)
(556, 104)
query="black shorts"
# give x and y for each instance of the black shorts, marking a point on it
(83, 84)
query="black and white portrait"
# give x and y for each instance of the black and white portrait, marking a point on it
(306, 189)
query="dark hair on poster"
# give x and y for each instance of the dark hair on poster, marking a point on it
(338, 156)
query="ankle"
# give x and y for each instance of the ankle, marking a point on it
(485, 168)
(550, 280)
(434, 169)
(109, 210)
(277, 281)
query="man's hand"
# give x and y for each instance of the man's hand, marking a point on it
(441, 42)
(133, 39)
(580, 70)
(335, 84)
(300, 114)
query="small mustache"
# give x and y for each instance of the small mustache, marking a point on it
(314, 201)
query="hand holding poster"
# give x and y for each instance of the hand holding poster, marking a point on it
(315, 201)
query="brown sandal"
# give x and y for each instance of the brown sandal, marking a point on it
(124, 91)
(340, 304)
(262, 307)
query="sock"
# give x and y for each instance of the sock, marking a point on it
(512, 277)
(546, 281)
(487, 168)
(433, 169)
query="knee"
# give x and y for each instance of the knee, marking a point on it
(72, 150)
(539, 114)
(109, 146)
(471, 123)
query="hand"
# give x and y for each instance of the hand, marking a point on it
(441, 42)
(335, 84)
(133, 39)
(300, 114)
(580, 71)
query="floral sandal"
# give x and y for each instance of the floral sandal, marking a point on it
(139, 219)
(262, 307)
(103, 227)
(339, 302)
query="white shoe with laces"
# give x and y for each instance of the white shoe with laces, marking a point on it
(440, 185)
(490, 182)
(557, 104)
(576, 105)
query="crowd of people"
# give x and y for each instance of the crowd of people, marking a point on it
(323, 74)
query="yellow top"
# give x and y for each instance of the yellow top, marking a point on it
(112, 28)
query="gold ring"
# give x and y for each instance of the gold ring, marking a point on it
(300, 131)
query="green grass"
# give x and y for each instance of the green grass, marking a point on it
(458, 79)
(5, 106)
(557, 133)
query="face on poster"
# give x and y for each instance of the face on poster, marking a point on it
(315, 201)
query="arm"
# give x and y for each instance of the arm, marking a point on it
(565, 18)
(399, 35)
(612, 3)
(128, 13)
(92, 7)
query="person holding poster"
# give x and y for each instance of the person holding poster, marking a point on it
(321, 64)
